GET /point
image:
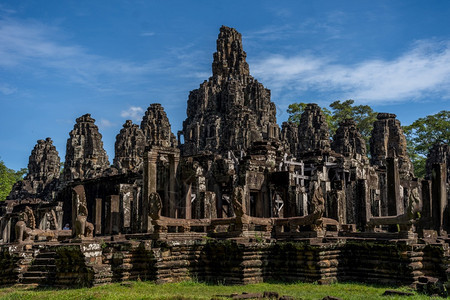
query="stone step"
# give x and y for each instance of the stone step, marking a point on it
(44, 261)
(46, 255)
(35, 274)
(43, 268)
(33, 280)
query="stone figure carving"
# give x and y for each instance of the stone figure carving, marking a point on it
(82, 227)
(317, 202)
(155, 206)
(24, 227)
(407, 220)
(238, 202)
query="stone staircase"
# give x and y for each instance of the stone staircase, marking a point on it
(42, 270)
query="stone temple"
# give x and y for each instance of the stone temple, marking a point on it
(231, 198)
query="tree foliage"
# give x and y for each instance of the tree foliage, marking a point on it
(422, 134)
(7, 179)
(363, 115)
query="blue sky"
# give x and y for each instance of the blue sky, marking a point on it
(61, 59)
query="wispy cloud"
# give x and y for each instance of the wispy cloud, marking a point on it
(7, 89)
(134, 113)
(104, 123)
(42, 49)
(424, 69)
(147, 34)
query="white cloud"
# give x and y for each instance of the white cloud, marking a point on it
(422, 70)
(104, 123)
(36, 48)
(147, 34)
(6, 89)
(133, 112)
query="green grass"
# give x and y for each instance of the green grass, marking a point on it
(194, 290)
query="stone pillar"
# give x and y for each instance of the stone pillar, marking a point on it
(427, 205)
(395, 203)
(136, 210)
(173, 165)
(210, 205)
(126, 196)
(439, 195)
(112, 215)
(187, 201)
(149, 184)
(98, 216)
(362, 203)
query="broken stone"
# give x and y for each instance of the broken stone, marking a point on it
(397, 293)
(331, 298)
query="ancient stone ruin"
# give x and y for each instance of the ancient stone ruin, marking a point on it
(239, 201)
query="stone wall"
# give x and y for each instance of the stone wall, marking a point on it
(240, 261)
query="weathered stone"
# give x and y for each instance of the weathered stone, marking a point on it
(313, 133)
(438, 154)
(156, 127)
(289, 136)
(348, 141)
(85, 156)
(397, 293)
(243, 204)
(230, 110)
(388, 140)
(129, 148)
(43, 172)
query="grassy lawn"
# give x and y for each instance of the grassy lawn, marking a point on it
(194, 290)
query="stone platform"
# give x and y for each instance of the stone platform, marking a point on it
(227, 261)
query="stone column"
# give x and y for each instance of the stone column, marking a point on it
(395, 203)
(112, 215)
(427, 205)
(362, 203)
(98, 216)
(187, 201)
(126, 196)
(149, 184)
(174, 159)
(439, 195)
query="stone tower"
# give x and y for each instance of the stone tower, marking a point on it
(348, 141)
(313, 133)
(438, 154)
(156, 127)
(388, 140)
(85, 156)
(129, 148)
(43, 170)
(232, 109)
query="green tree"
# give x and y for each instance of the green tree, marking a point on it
(422, 134)
(295, 111)
(7, 179)
(363, 115)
